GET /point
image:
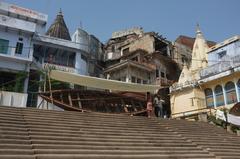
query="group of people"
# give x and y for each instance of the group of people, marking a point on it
(155, 105)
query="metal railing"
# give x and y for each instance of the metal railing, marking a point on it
(220, 67)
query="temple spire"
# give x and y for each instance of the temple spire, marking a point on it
(59, 28)
(199, 52)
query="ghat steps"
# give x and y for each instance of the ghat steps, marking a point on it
(27, 133)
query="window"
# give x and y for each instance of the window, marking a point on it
(157, 73)
(219, 95)
(139, 80)
(125, 51)
(4, 46)
(19, 48)
(113, 48)
(123, 79)
(133, 79)
(183, 58)
(162, 74)
(83, 57)
(209, 97)
(230, 92)
(144, 81)
(222, 54)
(135, 59)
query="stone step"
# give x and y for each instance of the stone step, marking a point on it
(17, 156)
(148, 156)
(94, 128)
(115, 143)
(14, 141)
(115, 133)
(104, 131)
(122, 136)
(15, 152)
(114, 147)
(90, 120)
(85, 123)
(15, 146)
(17, 137)
(98, 139)
(116, 152)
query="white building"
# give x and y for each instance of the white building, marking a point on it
(17, 27)
(94, 49)
(26, 48)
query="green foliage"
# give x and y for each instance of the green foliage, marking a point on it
(19, 84)
(218, 122)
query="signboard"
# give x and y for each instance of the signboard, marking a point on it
(17, 24)
(22, 11)
(59, 67)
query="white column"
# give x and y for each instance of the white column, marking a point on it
(214, 98)
(224, 94)
(237, 92)
(26, 84)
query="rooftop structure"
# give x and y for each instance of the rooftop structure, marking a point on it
(59, 28)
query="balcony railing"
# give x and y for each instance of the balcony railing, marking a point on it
(179, 86)
(164, 82)
(220, 67)
(25, 54)
(59, 67)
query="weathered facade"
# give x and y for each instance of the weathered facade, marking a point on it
(147, 59)
(183, 47)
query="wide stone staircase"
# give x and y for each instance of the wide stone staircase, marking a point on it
(27, 133)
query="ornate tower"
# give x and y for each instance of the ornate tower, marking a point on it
(59, 28)
(199, 53)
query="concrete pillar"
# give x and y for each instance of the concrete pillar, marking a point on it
(25, 89)
(237, 92)
(238, 132)
(224, 95)
(214, 98)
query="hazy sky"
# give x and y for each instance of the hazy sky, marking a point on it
(218, 19)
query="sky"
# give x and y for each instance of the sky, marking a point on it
(218, 19)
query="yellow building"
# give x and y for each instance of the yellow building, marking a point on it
(212, 81)
(186, 95)
(220, 81)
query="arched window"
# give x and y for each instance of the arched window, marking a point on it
(219, 95)
(209, 97)
(231, 93)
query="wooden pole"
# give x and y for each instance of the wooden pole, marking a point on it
(50, 86)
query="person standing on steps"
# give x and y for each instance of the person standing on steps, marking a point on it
(149, 105)
(158, 106)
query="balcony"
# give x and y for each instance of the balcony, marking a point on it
(220, 67)
(164, 82)
(10, 53)
(180, 86)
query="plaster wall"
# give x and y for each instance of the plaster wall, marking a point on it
(13, 99)
(232, 50)
(13, 38)
(145, 43)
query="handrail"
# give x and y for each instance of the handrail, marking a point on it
(186, 112)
